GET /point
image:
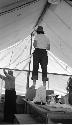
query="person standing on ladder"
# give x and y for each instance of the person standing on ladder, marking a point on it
(10, 96)
(41, 45)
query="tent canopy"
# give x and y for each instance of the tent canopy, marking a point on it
(18, 18)
(17, 21)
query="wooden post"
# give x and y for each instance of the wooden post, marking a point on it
(28, 74)
(48, 83)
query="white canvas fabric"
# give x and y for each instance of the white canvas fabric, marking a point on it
(16, 25)
(53, 1)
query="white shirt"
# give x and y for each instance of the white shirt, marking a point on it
(42, 41)
(9, 81)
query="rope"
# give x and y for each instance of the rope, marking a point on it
(22, 69)
(61, 20)
(6, 51)
(59, 63)
(24, 59)
(11, 59)
(60, 41)
(17, 64)
(18, 7)
(57, 34)
(20, 54)
(69, 2)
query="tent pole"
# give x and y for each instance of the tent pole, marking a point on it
(48, 83)
(28, 74)
(40, 18)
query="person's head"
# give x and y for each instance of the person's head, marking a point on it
(40, 30)
(10, 72)
(70, 78)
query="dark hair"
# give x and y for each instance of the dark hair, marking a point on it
(40, 32)
(70, 79)
(10, 72)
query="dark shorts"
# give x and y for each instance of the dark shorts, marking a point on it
(40, 56)
(9, 105)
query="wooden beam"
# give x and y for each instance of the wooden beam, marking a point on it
(47, 5)
(28, 74)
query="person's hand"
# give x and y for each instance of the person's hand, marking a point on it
(4, 70)
(35, 28)
(35, 44)
(48, 47)
(67, 88)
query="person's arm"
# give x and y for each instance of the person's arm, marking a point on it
(6, 74)
(4, 71)
(48, 47)
(48, 44)
(67, 88)
(2, 77)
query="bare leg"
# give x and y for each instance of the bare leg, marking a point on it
(44, 84)
(34, 82)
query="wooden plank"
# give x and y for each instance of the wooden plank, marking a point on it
(48, 115)
(24, 119)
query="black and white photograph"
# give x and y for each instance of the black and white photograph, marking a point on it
(35, 61)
